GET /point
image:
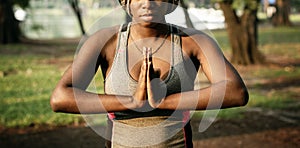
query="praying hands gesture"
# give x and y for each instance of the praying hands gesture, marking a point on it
(226, 87)
(150, 87)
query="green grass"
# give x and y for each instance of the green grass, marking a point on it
(283, 42)
(27, 80)
(222, 39)
(272, 100)
(228, 113)
(280, 35)
(268, 36)
(25, 89)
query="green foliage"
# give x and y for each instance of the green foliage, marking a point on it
(253, 4)
(225, 1)
(295, 4)
(238, 4)
(21, 3)
(241, 4)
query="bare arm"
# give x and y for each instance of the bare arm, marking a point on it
(70, 96)
(226, 90)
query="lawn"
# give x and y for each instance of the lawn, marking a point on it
(29, 72)
(273, 85)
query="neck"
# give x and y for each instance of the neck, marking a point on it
(154, 30)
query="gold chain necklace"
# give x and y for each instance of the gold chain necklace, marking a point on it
(161, 44)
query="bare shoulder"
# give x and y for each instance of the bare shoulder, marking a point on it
(194, 34)
(195, 42)
(102, 40)
(105, 33)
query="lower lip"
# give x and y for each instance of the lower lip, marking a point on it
(147, 18)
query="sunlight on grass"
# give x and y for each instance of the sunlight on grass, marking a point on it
(272, 73)
(295, 18)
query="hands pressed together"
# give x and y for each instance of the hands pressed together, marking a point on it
(150, 87)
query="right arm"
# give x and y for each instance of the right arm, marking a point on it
(70, 95)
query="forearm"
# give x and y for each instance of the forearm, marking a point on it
(73, 100)
(224, 94)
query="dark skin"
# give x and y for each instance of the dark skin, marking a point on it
(226, 86)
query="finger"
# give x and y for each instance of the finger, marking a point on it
(149, 54)
(143, 72)
(142, 80)
(145, 55)
(149, 62)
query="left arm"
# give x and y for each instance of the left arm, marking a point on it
(227, 89)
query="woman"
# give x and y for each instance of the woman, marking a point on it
(149, 68)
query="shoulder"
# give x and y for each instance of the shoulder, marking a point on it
(105, 33)
(192, 34)
(103, 38)
(195, 42)
(100, 42)
(107, 39)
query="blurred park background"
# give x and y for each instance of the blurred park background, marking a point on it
(39, 38)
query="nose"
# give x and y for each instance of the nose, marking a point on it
(146, 4)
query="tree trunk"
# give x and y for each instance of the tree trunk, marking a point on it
(249, 23)
(281, 17)
(188, 21)
(77, 11)
(242, 32)
(9, 26)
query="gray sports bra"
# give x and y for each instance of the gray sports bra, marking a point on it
(119, 81)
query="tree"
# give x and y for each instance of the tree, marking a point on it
(242, 30)
(281, 16)
(75, 6)
(186, 15)
(9, 25)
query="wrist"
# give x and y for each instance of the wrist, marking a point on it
(136, 103)
(156, 103)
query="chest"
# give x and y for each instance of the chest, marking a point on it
(161, 60)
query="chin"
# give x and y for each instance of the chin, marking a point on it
(149, 23)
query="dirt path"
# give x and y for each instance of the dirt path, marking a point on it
(257, 129)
